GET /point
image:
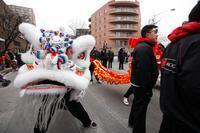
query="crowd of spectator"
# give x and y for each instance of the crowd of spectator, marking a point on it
(10, 59)
(106, 56)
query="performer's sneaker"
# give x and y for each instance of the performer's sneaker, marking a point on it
(125, 101)
(99, 82)
(92, 125)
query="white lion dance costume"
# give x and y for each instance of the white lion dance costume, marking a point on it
(51, 72)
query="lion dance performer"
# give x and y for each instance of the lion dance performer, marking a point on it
(55, 76)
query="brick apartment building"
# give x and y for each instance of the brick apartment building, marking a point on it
(26, 13)
(115, 22)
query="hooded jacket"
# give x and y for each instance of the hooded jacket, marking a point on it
(144, 66)
(180, 81)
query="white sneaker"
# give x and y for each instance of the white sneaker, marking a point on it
(92, 125)
(125, 101)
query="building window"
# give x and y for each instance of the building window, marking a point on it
(117, 26)
(117, 34)
(125, 43)
(117, 43)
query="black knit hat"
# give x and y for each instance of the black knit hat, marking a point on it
(195, 13)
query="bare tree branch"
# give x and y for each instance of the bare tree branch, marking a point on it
(76, 24)
(9, 24)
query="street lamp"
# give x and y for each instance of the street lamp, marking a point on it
(154, 20)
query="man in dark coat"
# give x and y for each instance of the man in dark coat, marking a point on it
(104, 57)
(110, 57)
(144, 74)
(94, 55)
(121, 58)
(180, 82)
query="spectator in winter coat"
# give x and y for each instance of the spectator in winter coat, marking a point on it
(121, 58)
(104, 57)
(7, 59)
(18, 58)
(110, 57)
(1, 62)
(180, 82)
(91, 68)
(144, 74)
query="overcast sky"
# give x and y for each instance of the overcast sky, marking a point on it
(52, 14)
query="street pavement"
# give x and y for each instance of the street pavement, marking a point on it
(103, 103)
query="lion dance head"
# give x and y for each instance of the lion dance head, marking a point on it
(55, 64)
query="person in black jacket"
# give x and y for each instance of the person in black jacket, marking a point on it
(94, 55)
(180, 82)
(121, 58)
(110, 57)
(104, 57)
(144, 74)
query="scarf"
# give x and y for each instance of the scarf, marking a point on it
(157, 49)
(184, 30)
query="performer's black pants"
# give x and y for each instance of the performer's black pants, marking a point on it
(172, 125)
(75, 108)
(129, 91)
(137, 117)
